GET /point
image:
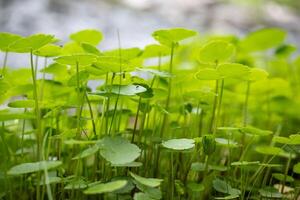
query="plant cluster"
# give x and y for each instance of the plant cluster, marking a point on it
(189, 117)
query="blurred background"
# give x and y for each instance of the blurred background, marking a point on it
(137, 19)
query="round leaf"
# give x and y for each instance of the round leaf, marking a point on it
(216, 52)
(208, 74)
(263, 39)
(89, 36)
(26, 168)
(106, 187)
(31, 43)
(118, 150)
(179, 144)
(172, 36)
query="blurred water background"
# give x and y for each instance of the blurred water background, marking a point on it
(137, 19)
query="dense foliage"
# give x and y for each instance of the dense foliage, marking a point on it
(190, 117)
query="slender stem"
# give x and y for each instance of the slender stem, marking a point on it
(78, 99)
(219, 107)
(136, 120)
(212, 120)
(4, 62)
(91, 113)
(246, 103)
(172, 176)
(120, 82)
(165, 119)
(286, 172)
(37, 113)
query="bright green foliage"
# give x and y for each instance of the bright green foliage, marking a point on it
(117, 150)
(263, 39)
(26, 168)
(83, 59)
(31, 43)
(214, 117)
(106, 187)
(172, 36)
(7, 39)
(150, 182)
(89, 36)
(223, 187)
(216, 52)
(179, 144)
(49, 50)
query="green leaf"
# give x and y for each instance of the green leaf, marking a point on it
(282, 177)
(216, 52)
(142, 196)
(195, 187)
(125, 90)
(179, 144)
(21, 104)
(263, 39)
(156, 72)
(226, 143)
(80, 59)
(224, 187)
(245, 163)
(7, 115)
(255, 131)
(155, 50)
(172, 36)
(296, 168)
(270, 192)
(208, 74)
(88, 48)
(118, 150)
(268, 150)
(105, 187)
(82, 76)
(227, 197)
(26, 168)
(6, 39)
(87, 152)
(257, 74)
(112, 64)
(127, 54)
(150, 182)
(31, 43)
(233, 70)
(49, 50)
(89, 36)
(285, 50)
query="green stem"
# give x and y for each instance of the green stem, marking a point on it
(37, 113)
(212, 120)
(136, 120)
(79, 100)
(246, 103)
(4, 62)
(92, 115)
(286, 172)
(165, 119)
(219, 107)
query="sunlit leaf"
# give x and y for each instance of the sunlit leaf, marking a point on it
(89, 36)
(105, 187)
(172, 36)
(118, 150)
(263, 39)
(26, 168)
(216, 52)
(179, 144)
(150, 182)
